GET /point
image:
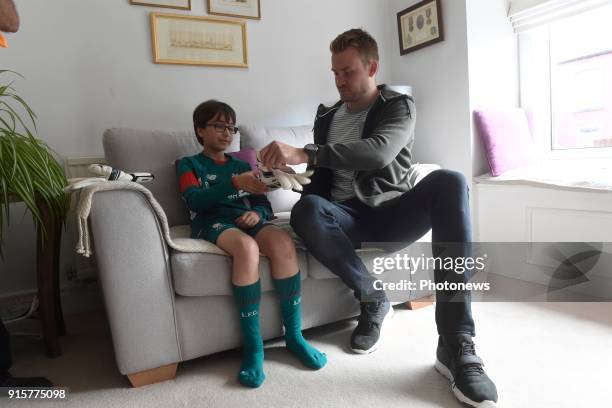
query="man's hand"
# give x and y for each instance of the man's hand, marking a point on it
(282, 177)
(247, 220)
(9, 20)
(278, 154)
(250, 183)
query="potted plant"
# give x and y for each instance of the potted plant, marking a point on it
(29, 171)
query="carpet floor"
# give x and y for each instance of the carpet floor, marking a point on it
(539, 355)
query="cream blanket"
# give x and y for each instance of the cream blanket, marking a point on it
(177, 237)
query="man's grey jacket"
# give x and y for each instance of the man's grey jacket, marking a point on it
(382, 159)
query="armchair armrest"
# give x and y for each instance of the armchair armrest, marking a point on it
(134, 272)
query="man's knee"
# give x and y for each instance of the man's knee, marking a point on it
(305, 209)
(450, 180)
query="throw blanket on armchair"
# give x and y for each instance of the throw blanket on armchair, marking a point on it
(177, 237)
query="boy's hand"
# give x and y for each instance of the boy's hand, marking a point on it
(250, 183)
(247, 220)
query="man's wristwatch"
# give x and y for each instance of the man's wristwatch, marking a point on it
(311, 150)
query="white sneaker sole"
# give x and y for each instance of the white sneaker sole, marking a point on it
(374, 347)
(441, 368)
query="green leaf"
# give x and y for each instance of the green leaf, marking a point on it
(28, 168)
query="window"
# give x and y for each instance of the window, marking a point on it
(566, 82)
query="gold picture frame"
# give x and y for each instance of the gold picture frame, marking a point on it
(173, 4)
(188, 40)
(236, 8)
(420, 25)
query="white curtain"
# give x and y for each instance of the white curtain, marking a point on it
(526, 14)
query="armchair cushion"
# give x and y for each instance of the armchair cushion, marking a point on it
(207, 274)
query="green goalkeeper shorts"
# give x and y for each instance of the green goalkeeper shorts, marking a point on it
(212, 232)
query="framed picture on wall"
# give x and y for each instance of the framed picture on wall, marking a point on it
(189, 40)
(176, 4)
(236, 8)
(419, 26)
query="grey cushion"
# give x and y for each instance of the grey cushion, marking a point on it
(156, 152)
(208, 324)
(258, 137)
(204, 274)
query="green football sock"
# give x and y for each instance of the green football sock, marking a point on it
(251, 370)
(288, 290)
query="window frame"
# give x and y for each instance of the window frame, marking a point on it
(536, 95)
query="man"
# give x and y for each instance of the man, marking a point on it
(361, 192)
(9, 22)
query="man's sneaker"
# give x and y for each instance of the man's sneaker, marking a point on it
(366, 336)
(457, 361)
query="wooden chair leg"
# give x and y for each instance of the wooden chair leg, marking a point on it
(420, 303)
(153, 375)
(45, 257)
(59, 314)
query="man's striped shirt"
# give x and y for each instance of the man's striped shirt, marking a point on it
(345, 127)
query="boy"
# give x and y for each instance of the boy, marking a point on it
(228, 208)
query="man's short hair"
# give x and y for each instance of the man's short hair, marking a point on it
(359, 39)
(206, 111)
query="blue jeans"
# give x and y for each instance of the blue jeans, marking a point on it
(440, 202)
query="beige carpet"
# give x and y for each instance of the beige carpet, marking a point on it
(539, 354)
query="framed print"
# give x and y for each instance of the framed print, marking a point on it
(188, 40)
(176, 4)
(419, 26)
(236, 8)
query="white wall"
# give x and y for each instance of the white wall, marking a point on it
(439, 76)
(88, 66)
(493, 65)
(474, 67)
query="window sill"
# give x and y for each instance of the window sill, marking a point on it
(601, 153)
(574, 174)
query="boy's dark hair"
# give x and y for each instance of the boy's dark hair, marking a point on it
(359, 39)
(208, 110)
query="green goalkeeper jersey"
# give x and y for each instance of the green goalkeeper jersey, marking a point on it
(210, 195)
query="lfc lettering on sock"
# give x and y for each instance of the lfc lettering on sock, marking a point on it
(249, 314)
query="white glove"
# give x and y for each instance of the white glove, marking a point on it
(286, 179)
(112, 174)
(108, 174)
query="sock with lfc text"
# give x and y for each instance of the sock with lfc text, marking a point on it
(289, 292)
(251, 370)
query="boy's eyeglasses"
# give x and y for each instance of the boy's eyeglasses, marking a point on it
(221, 128)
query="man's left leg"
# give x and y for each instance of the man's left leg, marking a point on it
(440, 202)
(331, 233)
